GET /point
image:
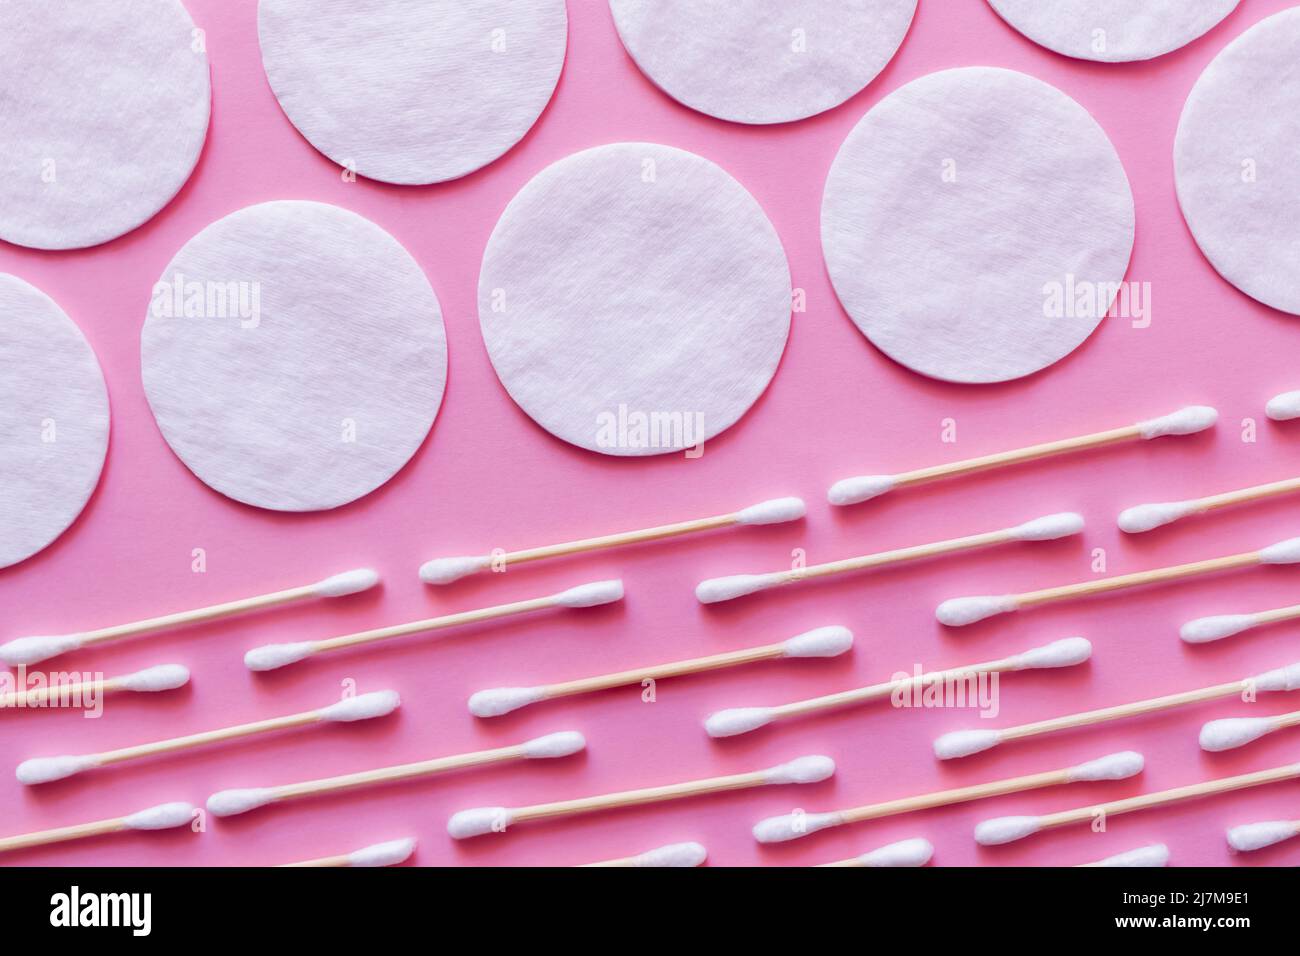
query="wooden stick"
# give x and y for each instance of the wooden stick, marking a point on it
(164, 817)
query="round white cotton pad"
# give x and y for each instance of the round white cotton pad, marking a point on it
(1234, 162)
(752, 61)
(1113, 31)
(634, 299)
(976, 225)
(294, 356)
(53, 420)
(408, 92)
(105, 111)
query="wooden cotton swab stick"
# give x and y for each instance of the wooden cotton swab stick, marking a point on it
(676, 855)
(1049, 528)
(1187, 421)
(228, 803)
(823, 642)
(1233, 732)
(366, 706)
(963, 743)
(1284, 407)
(447, 570)
(166, 816)
(32, 650)
(1255, 836)
(148, 681)
(272, 656)
(470, 823)
(380, 854)
(1009, 829)
(959, 612)
(1157, 854)
(1143, 518)
(793, 826)
(1206, 629)
(916, 852)
(741, 720)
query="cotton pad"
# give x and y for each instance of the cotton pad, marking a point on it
(1113, 31)
(976, 225)
(413, 92)
(53, 420)
(294, 356)
(105, 112)
(1235, 162)
(753, 61)
(634, 299)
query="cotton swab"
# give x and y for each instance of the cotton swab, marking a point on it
(476, 822)
(272, 656)
(959, 612)
(32, 650)
(1143, 518)
(166, 816)
(1234, 732)
(1155, 855)
(1187, 421)
(366, 706)
(447, 570)
(677, 855)
(1049, 528)
(741, 720)
(1255, 836)
(793, 826)
(904, 853)
(151, 680)
(228, 803)
(963, 743)
(1206, 629)
(1009, 829)
(823, 642)
(1284, 407)
(380, 854)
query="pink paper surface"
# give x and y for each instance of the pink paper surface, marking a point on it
(488, 477)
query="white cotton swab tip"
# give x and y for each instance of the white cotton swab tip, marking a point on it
(1256, 836)
(1002, 830)
(852, 491)
(229, 803)
(1206, 629)
(1231, 733)
(477, 822)
(1067, 652)
(1284, 407)
(47, 769)
(380, 703)
(154, 679)
(1185, 421)
(1049, 528)
(165, 816)
(503, 700)
(1120, 766)
(958, 612)
(822, 642)
(1284, 552)
(349, 582)
(792, 826)
(1143, 518)
(1155, 855)
(269, 657)
(1282, 679)
(382, 854)
(916, 852)
(674, 855)
(25, 651)
(738, 720)
(554, 745)
(591, 595)
(776, 511)
(717, 590)
(812, 769)
(963, 743)
(448, 570)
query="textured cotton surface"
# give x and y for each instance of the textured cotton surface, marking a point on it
(413, 92)
(1113, 31)
(1235, 160)
(955, 205)
(103, 112)
(630, 285)
(53, 420)
(324, 393)
(753, 61)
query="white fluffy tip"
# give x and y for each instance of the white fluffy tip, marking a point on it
(852, 491)
(675, 855)
(1120, 766)
(268, 657)
(1284, 407)
(476, 822)
(738, 720)
(813, 769)
(1281, 680)
(154, 679)
(1186, 421)
(229, 803)
(1067, 652)
(1001, 830)
(1143, 518)
(591, 595)
(24, 651)
(792, 826)
(382, 854)
(1049, 528)
(958, 612)
(823, 642)
(380, 703)
(717, 590)
(963, 743)
(916, 852)
(447, 570)
(1234, 732)
(47, 769)
(1284, 552)
(502, 700)
(1256, 836)
(165, 816)
(1206, 629)
(554, 745)
(349, 582)
(776, 511)
(1155, 855)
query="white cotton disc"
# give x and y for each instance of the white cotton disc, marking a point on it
(1113, 31)
(413, 93)
(1234, 162)
(316, 366)
(53, 419)
(976, 225)
(752, 61)
(634, 299)
(105, 112)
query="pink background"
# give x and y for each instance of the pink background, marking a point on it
(489, 477)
